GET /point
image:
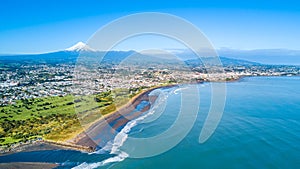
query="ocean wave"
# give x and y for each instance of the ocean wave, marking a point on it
(158, 108)
(176, 91)
(121, 137)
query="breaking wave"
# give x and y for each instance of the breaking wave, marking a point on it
(113, 147)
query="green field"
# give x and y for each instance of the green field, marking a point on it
(57, 118)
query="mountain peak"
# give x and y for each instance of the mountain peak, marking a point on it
(80, 46)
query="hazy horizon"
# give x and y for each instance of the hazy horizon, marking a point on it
(264, 56)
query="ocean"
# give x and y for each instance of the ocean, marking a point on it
(260, 128)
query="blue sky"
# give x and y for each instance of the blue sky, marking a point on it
(37, 26)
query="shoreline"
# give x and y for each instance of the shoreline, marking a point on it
(39, 145)
(72, 145)
(110, 123)
(33, 145)
(28, 165)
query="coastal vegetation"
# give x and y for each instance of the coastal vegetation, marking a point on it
(57, 118)
(36, 100)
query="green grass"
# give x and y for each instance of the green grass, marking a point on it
(56, 118)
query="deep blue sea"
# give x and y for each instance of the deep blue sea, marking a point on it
(260, 128)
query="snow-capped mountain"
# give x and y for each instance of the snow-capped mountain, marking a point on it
(80, 46)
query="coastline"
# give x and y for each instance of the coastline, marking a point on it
(28, 165)
(81, 141)
(39, 145)
(110, 123)
(71, 144)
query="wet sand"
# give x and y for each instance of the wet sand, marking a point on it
(43, 145)
(98, 133)
(27, 165)
(105, 129)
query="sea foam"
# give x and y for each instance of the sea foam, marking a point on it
(113, 147)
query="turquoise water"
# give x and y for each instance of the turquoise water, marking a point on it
(260, 128)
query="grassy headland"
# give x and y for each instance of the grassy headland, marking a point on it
(57, 118)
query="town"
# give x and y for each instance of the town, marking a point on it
(41, 80)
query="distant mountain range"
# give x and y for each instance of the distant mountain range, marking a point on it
(225, 61)
(264, 56)
(70, 55)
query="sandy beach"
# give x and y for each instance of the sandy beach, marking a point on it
(27, 165)
(109, 124)
(88, 140)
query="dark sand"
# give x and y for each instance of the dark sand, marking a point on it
(94, 137)
(109, 126)
(21, 165)
(42, 145)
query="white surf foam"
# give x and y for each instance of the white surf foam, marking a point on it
(176, 91)
(120, 138)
